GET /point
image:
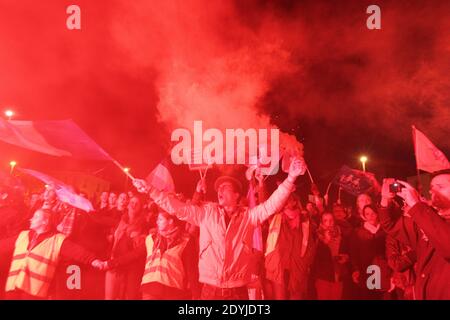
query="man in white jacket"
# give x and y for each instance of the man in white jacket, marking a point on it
(226, 231)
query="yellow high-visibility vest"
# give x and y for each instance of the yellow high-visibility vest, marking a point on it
(274, 232)
(166, 268)
(32, 270)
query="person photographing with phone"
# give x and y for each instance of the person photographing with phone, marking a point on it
(426, 229)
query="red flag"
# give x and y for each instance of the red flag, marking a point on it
(56, 138)
(428, 157)
(161, 179)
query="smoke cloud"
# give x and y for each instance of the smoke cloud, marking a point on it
(138, 69)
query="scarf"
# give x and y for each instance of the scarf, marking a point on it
(167, 238)
(371, 228)
(292, 217)
(67, 224)
(164, 240)
(305, 234)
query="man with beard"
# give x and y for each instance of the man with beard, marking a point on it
(426, 231)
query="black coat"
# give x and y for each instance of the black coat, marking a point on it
(368, 249)
(432, 247)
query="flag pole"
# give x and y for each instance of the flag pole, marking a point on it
(339, 195)
(206, 170)
(327, 193)
(310, 176)
(419, 184)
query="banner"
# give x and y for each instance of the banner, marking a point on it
(355, 181)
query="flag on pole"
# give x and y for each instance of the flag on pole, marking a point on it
(428, 157)
(57, 138)
(64, 192)
(355, 181)
(161, 179)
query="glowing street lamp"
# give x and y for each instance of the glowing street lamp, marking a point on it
(126, 170)
(363, 160)
(9, 114)
(12, 164)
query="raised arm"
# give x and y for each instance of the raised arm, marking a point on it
(436, 228)
(199, 192)
(184, 211)
(277, 200)
(402, 228)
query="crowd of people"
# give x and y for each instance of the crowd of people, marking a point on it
(153, 244)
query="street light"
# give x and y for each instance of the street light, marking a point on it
(363, 160)
(9, 114)
(12, 164)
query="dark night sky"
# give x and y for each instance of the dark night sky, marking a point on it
(138, 69)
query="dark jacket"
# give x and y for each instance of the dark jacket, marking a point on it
(368, 249)
(401, 259)
(325, 266)
(432, 247)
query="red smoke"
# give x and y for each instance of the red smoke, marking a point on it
(138, 63)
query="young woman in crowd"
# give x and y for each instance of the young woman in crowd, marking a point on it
(368, 256)
(124, 283)
(331, 261)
